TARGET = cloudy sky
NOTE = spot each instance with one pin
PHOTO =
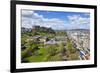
(55, 20)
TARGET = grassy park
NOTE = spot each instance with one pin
(40, 46)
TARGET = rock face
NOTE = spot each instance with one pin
(43, 29)
(37, 30)
(24, 30)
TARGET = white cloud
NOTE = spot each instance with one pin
(77, 21)
(30, 18)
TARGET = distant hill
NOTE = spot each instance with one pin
(80, 30)
(37, 30)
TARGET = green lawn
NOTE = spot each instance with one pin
(43, 53)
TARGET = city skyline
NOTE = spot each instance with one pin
(55, 19)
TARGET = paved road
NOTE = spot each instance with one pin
(84, 54)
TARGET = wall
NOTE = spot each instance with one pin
(5, 35)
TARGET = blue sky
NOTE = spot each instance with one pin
(60, 15)
(55, 19)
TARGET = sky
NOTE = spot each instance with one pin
(55, 19)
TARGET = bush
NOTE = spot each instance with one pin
(70, 47)
(51, 50)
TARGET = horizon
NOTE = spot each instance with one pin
(61, 29)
